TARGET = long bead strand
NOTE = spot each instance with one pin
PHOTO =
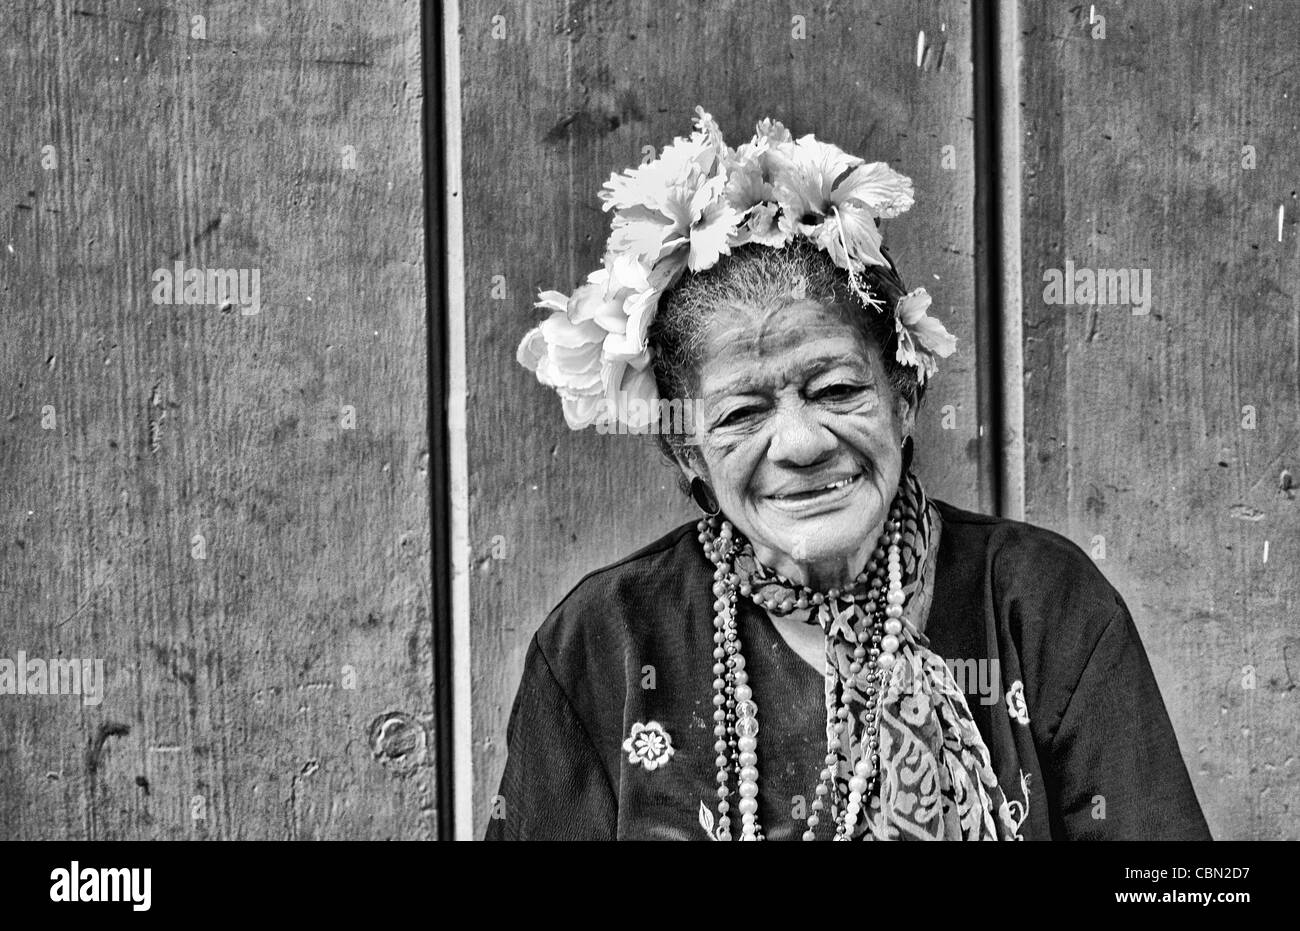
(875, 640)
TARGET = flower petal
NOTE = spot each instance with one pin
(761, 226)
(567, 356)
(912, 306)
(532, 349)
(626, 272)
(551, 300)
(646, 184)
(631, 397)
(877, 186)
(771, 131)
(710, 238)
(562, 332)
(934, 337)
(641, 233)
(807, 178)
(861, 233)
(581, 412)
(639, 309)
(588, 304)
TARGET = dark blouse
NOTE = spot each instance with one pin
(1060, 689)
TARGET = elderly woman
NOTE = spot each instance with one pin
(828, 654)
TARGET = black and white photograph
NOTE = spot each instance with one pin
(648, 420)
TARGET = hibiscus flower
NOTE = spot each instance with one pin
(920, 336)
(835, 199)
(646, 185)
(751, 172)
(693, 224)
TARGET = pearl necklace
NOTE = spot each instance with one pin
(876, 640)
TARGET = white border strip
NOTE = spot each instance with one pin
(1007, 100)
(458, 449)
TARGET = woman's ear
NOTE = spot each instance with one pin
(905, 409)
(691, 463)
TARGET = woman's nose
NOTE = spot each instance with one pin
(799, 439)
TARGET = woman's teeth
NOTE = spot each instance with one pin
(833, 486)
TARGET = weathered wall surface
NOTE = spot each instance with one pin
(1164, 140)
(229, 510)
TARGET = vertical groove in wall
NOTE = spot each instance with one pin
(461, 782)
(437, 236)
(988, 241)
(1011, 440)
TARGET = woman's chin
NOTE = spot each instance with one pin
(817, 530)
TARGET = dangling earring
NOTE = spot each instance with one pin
(908, 446)
(704, 497)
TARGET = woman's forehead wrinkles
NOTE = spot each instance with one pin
(752, 349)
(743, 373)
(773, 334)
(769, 328)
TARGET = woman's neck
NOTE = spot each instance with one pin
(838, 570)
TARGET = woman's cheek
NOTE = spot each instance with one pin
(725, 443)
(867, 432)
(730, 462)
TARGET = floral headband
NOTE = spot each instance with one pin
(685, 210)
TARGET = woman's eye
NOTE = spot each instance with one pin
(838, 392)
(739, 415)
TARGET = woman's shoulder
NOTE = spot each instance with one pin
(609, 606)
(1025, 562)
(1047, 602)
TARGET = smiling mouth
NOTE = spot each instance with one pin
(816, 494)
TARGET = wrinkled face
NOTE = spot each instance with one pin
(802, 435)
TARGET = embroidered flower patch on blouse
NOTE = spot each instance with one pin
(1016, 702)
(649, 745)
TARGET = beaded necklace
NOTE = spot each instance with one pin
(862, 623)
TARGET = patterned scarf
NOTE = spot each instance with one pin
(936, 779)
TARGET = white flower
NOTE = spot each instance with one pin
(649, 745)
(674, 207)
(566, 355)
(1016, 702)
(647, 185)
(834, 199)
(920, 336)
(763, 225)
(751, 172)
(592, 349)
(692, 218)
